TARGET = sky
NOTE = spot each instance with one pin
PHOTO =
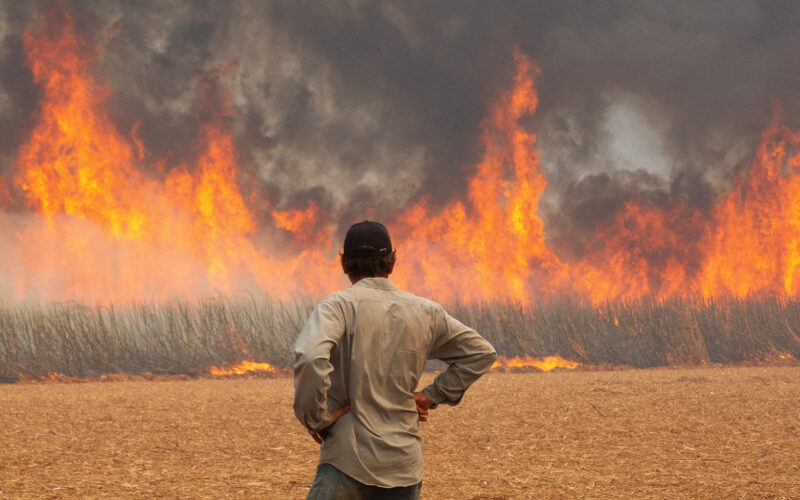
(367, 106)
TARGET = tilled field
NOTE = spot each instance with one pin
(667, 433)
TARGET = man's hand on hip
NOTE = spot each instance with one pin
(322, 435)
(423, 405)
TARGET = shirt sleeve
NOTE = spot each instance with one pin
(468, 356)
(312, 366)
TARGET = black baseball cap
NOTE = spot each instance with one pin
(367, 239)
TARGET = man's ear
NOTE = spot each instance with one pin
(392, 262)
(344, 265)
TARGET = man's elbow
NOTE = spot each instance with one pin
(306, 415)
(301, 359)
(488, 359)
(300, 408)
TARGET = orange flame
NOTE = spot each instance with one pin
(756, 245)
(242, 368)
(112, 232)
(492, 247)
(545, 364)
(108, 226)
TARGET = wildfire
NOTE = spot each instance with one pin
(111, 228)
(493, 245)
(545, 364)
(243, 367)
(112, 223)
(756, 245)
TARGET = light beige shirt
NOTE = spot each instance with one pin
(367, 346)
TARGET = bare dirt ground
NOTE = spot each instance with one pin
(692, 433)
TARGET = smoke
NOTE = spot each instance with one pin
(364, 106)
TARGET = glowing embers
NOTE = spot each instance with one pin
(50, 377)
(527, 363)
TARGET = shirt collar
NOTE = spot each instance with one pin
(379, 283)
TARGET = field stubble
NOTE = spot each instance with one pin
(658, 433)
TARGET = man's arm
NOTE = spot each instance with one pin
(468, 356)
(312, 367)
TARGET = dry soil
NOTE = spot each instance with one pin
(666, 433)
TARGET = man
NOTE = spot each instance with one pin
(357, 363)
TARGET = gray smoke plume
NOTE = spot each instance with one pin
(364, 106)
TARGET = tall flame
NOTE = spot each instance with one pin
(493, 246)
(756, 245)
(109, 231)
(107, 226)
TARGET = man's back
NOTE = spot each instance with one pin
(366, 346)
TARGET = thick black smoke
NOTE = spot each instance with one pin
(366, 105)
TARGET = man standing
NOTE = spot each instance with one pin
(358, 360)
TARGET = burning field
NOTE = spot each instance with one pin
(100, 219)
(175, 183)
(121, 258)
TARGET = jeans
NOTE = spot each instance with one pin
(332, 484)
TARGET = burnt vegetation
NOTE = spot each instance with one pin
(187, 338)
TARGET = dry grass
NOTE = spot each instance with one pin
(171, 338)
(187, 338)
(663, 433)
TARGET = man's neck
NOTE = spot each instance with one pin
(356, 279)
